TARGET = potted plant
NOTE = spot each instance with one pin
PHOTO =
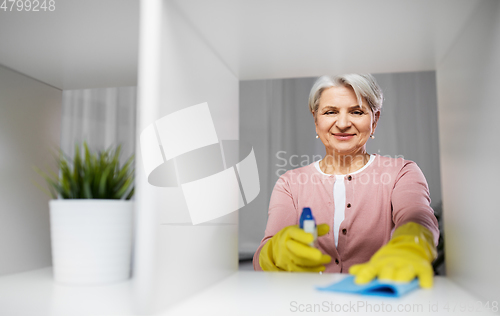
(91, 217)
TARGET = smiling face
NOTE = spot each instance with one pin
(342, 124)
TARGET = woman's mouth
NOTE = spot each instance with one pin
(343, 136)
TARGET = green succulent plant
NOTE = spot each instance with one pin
(91, 175)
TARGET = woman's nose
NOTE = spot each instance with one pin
(343, 121)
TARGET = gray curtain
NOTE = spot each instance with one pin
(275, 119)
(101, 117)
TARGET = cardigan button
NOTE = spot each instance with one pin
(348, 205)
(336, 261)
(344, 231)
(349, 178)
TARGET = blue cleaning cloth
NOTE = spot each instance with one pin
(375, 287)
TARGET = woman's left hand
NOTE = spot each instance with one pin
(407, 255)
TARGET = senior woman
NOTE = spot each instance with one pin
(375, 211)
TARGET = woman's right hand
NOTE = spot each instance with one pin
(289, 250)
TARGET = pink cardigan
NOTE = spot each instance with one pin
(385, 195)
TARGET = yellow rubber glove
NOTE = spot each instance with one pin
(408, 254)
(289, 250)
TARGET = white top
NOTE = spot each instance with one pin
(236, 294)
(339, 197)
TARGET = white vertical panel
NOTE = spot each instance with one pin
(249, 176)
(186, 130)
(30, 121)
(150, 149)
(212, 197)
(146, 243)
(468, 81)
(178, 70)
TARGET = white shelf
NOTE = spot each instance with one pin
(243, 293)
(34, 293)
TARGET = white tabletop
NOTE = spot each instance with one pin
(34, 293)
(260, 293)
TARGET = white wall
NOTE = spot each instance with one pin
(469, 116)
(30, 116)
(177, 69)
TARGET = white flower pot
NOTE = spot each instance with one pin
(91, 240)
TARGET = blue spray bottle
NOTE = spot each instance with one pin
(308, 224)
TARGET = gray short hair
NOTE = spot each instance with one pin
(364, 86)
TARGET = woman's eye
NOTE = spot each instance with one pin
(358, 112)
(329, 112)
